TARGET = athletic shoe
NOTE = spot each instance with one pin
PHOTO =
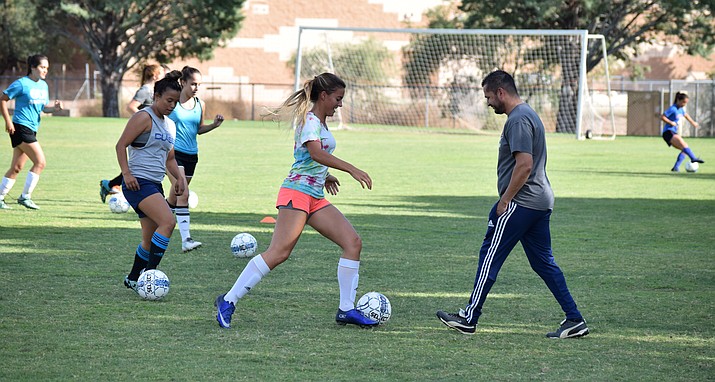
(697, 160)
(353, 316)
(4, 206)
(675, 169)
(130, 283)
(457, 321)
(189, 244)
(570, 329)
(224, 311)
(103, 189)
(28, 203)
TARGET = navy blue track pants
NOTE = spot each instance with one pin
(531, 227)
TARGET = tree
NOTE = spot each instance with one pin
(624, 23)
(17, 37)
(117, 34)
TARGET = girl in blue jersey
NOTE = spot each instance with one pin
(301, 201)
(149, 140)
(672, 118)
(31, 97)
(189, 119)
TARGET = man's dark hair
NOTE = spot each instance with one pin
(500, 79)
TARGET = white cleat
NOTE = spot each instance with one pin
(189, 244)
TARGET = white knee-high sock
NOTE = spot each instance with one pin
(348, 282)
(30, 184)
(255, 270)
(5, 186)
(183, 220)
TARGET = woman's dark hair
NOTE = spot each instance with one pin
(170, 81)
(187, 72)
(34, 61)
(680, 97)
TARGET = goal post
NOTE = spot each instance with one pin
(432, 77)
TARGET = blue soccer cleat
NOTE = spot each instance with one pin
(104, 189)
(353, 316)
(224, 312)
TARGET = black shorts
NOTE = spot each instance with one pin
(189, 162)
(22, 134)
(668, 136)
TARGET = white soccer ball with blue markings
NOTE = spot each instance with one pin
(244, 245)
(118, 204)
(153, 285)
(692, 167)
(376, 306)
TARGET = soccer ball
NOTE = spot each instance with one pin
(376, 306)
(244, 245)
(692, 167)
(153, 285)
(118, 204)
(193, 199)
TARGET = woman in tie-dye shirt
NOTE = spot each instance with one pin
(301, 201)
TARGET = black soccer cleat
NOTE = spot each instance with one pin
(457, 322)
(570, 329)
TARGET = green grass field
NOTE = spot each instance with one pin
(635, 241)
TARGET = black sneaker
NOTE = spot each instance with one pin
(457, 321)
(697, 160)
(570, 329)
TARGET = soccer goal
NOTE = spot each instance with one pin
(432, 77)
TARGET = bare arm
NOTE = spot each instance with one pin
(133, 106)
(137, 124)
(325, 158)
(218, 120)
(519, 176)
(692, 122)
(55, 108)
(177, 172)
(9, 127)
(666, 120)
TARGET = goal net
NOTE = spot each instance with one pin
(432, 77)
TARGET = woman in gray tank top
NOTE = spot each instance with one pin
(149, 140)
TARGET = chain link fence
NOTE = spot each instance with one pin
(637, 104)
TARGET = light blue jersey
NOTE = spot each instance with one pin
(307, 175)
(30, 99)
(187, 127)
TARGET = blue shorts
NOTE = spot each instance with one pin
(147, 188)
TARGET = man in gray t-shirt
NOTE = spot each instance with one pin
(522, 213)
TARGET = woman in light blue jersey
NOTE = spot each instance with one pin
(31, 97)
(145, 152)
(189, 119)
(301, 201)
(672, 119)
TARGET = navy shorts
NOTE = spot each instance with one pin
(189, 162)
(668, 136)
(22, 134)
(146, 188)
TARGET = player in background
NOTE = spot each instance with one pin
(189, 119)
(149, 140)
(301, 201)
(522, 212)
(31, 96)
(672, 118)
(143, 97)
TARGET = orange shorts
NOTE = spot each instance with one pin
(290, 198)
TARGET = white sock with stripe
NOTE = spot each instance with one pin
(254, 271)
(348, 277)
